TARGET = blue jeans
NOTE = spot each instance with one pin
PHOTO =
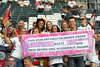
(76, 61)
(18, 63)
(57, 65)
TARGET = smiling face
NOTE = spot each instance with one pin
(35, 31)
(11, 62)
(72, 23)
(20, 24)
(40, 24)
(10, 30)
(64, 26)
(54, 30)
(83, 20)
(48, 25)
(23, 31)
(27, 63)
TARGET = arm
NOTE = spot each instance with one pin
(93, 64)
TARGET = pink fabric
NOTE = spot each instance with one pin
(37, 3)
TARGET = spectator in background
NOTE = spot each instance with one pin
(72, 4)
(82, 11)
(76, 59)
(64, 26)
(48, 7)
(28, 62)
(48, 26)
(97, 36)
(41, 24)
(96, 59)
(40, 7)
(30, 30)
(26, 3)
(19, 26)
(11, 61)
(66, 11)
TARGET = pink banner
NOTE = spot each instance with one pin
(55, 44)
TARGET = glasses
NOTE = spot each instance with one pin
(82, 19)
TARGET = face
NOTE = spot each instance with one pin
(21, 24)
(54, 29)
(10, 30)
(83, 20)
(11, 62)
(27, 63)
(35, 31)
(34, 25)
(49, 26)
(40, 24)
(72, 23)
(64, 11)
(64, 26)
(23, 31)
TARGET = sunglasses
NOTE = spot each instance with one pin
(82, 19)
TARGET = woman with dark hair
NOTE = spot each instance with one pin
(55, 29)
(55, 61)
(35, 31)
(48, 26)
(40, 24)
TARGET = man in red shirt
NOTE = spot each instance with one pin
(19, 26)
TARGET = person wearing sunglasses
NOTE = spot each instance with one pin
(84, 25)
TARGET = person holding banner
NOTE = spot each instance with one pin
(85, 26)
(17, 51)
(76, 59)
(55, 61)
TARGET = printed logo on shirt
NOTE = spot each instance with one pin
(2, 55)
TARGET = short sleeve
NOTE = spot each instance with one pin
(93, 59)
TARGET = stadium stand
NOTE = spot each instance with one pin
(29, 12)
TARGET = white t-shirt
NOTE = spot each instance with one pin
(71, 3)
(17, 52)
(26, 3)
(39, 6)
(48, 8)
(87, 55)
(83, 28)
(96, 60)
(55, 60)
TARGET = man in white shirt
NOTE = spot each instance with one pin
(96, 60)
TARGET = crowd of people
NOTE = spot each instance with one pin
(13, 37)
